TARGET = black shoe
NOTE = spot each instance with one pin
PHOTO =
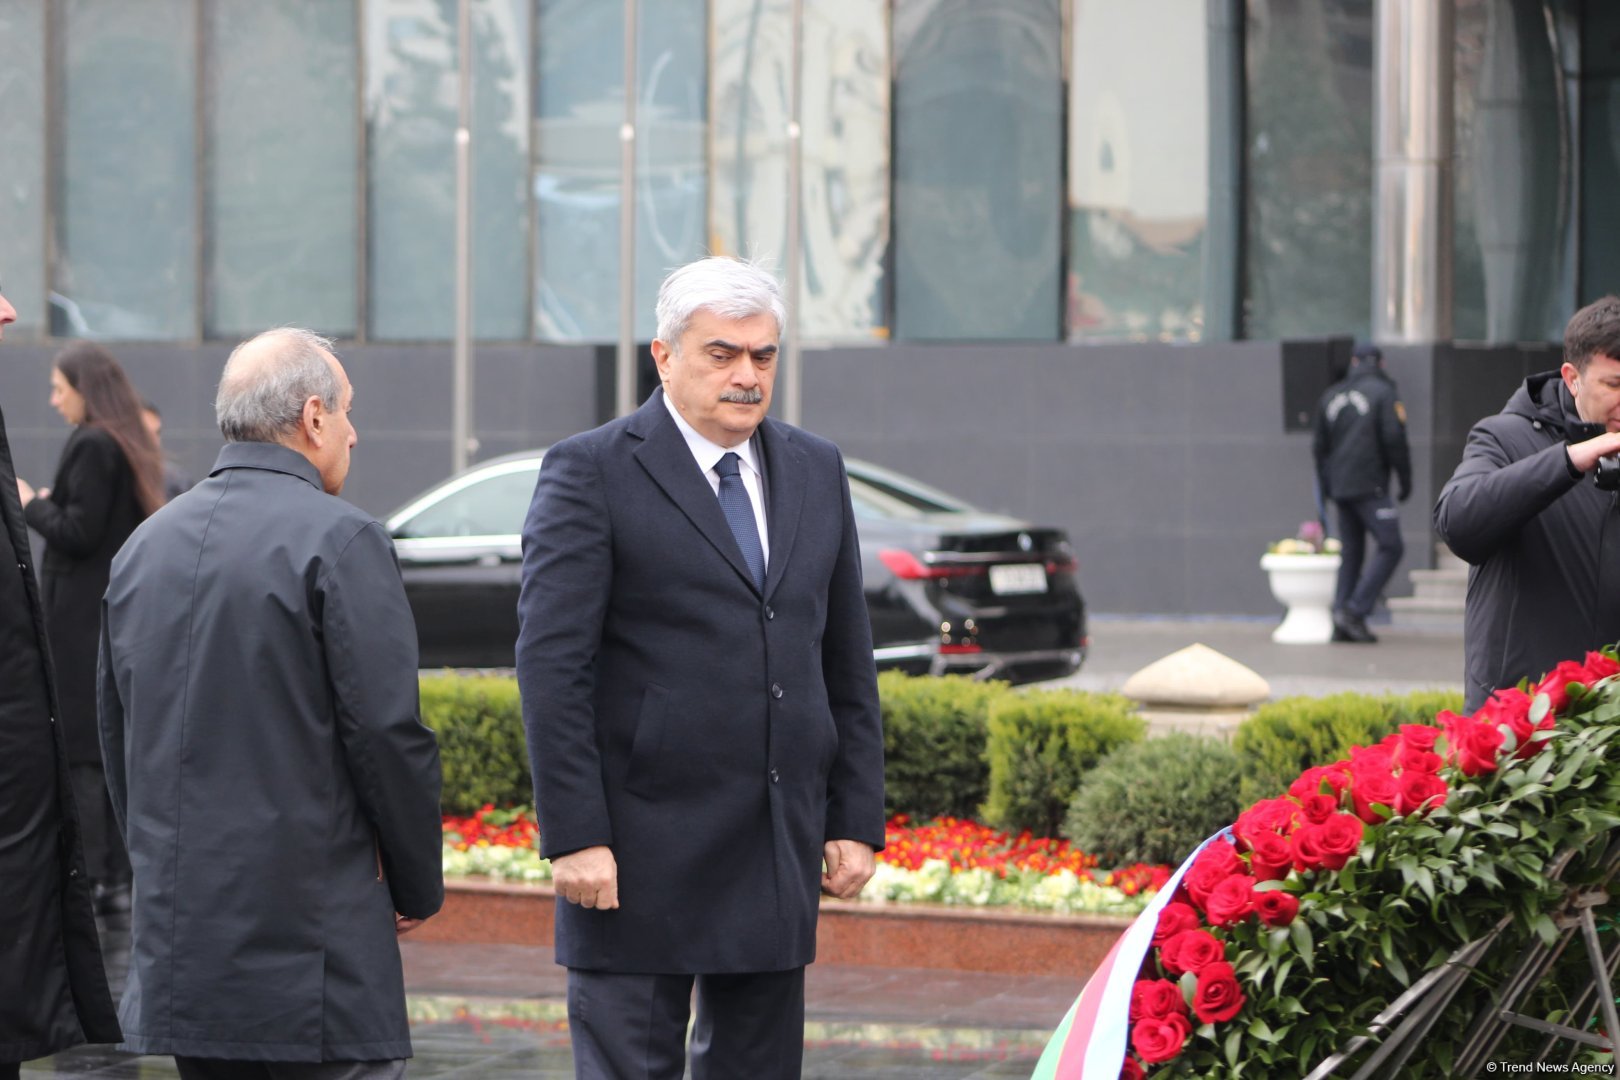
(1353, 629)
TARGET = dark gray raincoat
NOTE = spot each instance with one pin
(278, 792)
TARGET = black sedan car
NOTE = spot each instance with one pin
(949, 588)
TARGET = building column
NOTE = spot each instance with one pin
(1412, 220)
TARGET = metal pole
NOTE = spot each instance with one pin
(793, 388)
(625, 395)
(462, 441)
(1412, 239)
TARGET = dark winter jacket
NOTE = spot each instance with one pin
(1543, 543)
(91, 511)
(1361, 437)
(276, 788)
(53, 989)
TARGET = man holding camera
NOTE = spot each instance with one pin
(1543, 544)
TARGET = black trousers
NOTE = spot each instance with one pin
(633, 1027)
(1358, 591)
(103, 845)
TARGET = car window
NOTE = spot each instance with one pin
(492, 507)
(874, 503)
(919, 497)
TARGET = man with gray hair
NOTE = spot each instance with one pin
(267, 764)
(695, 661)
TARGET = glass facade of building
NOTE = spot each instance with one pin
(1028, 170)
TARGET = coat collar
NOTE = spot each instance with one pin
(668, 460)
(271, 457)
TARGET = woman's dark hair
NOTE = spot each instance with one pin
(111, 404)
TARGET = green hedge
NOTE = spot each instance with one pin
(479, 723)
(1155, 801)
(1041, 743)
(1284, 738)
(934, 731)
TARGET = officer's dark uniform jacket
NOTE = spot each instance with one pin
(1543, 544)
(1361, 437)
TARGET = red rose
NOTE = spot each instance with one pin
(1175, 917)
(1371, 787)
(1328, 846)
(1268, 815)
(1156, 998)
(1318, 808)
(1420, 761)
(1477, 746)
(1379, 756)
(1218, 997)
(1131, 1070)
(1276, 907)
(1421, 790)
(1231, 901)
(1600, 666)
(1272, 858)
(1504, 706)
(1335, 778)
(1419, 736)
(1157, 1040)
(1214, 864)
(1191, 950)
(1555, 684)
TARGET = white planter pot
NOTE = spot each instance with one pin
(1304, 584)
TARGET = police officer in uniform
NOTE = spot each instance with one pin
(1360, 439)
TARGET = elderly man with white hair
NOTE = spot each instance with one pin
(695, 661)
(267, 764)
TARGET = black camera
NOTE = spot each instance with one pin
(1607, 473)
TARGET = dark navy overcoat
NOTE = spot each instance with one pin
(713, 736)
(277, 789)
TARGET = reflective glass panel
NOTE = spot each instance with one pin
(1308, 201)
(844, 117)
(579, 108)
(126, 258)
(283, 165)
(1138, 168)
(411, 95)
(1600, 153)
(1510, 175)
(22, 165)
(978, 199)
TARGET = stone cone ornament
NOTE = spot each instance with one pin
(1196, 690)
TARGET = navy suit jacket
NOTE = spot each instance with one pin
(712, 736)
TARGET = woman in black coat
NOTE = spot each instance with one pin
(110, 478)
(53, 990)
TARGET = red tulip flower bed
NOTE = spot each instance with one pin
(947, 861)
(968, 845)
(493, 828)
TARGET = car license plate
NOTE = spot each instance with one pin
(1018, 580)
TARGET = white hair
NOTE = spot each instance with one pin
(267, 380)
(730, 288)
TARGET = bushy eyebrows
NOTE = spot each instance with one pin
(733, 347)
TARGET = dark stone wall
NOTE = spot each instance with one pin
(1169, 465)
(524, 396)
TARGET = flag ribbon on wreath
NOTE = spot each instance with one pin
(1090, 1042)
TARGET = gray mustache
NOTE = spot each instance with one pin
(744, 397)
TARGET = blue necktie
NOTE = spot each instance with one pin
(739, 511)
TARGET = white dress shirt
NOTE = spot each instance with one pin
(708, 455)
